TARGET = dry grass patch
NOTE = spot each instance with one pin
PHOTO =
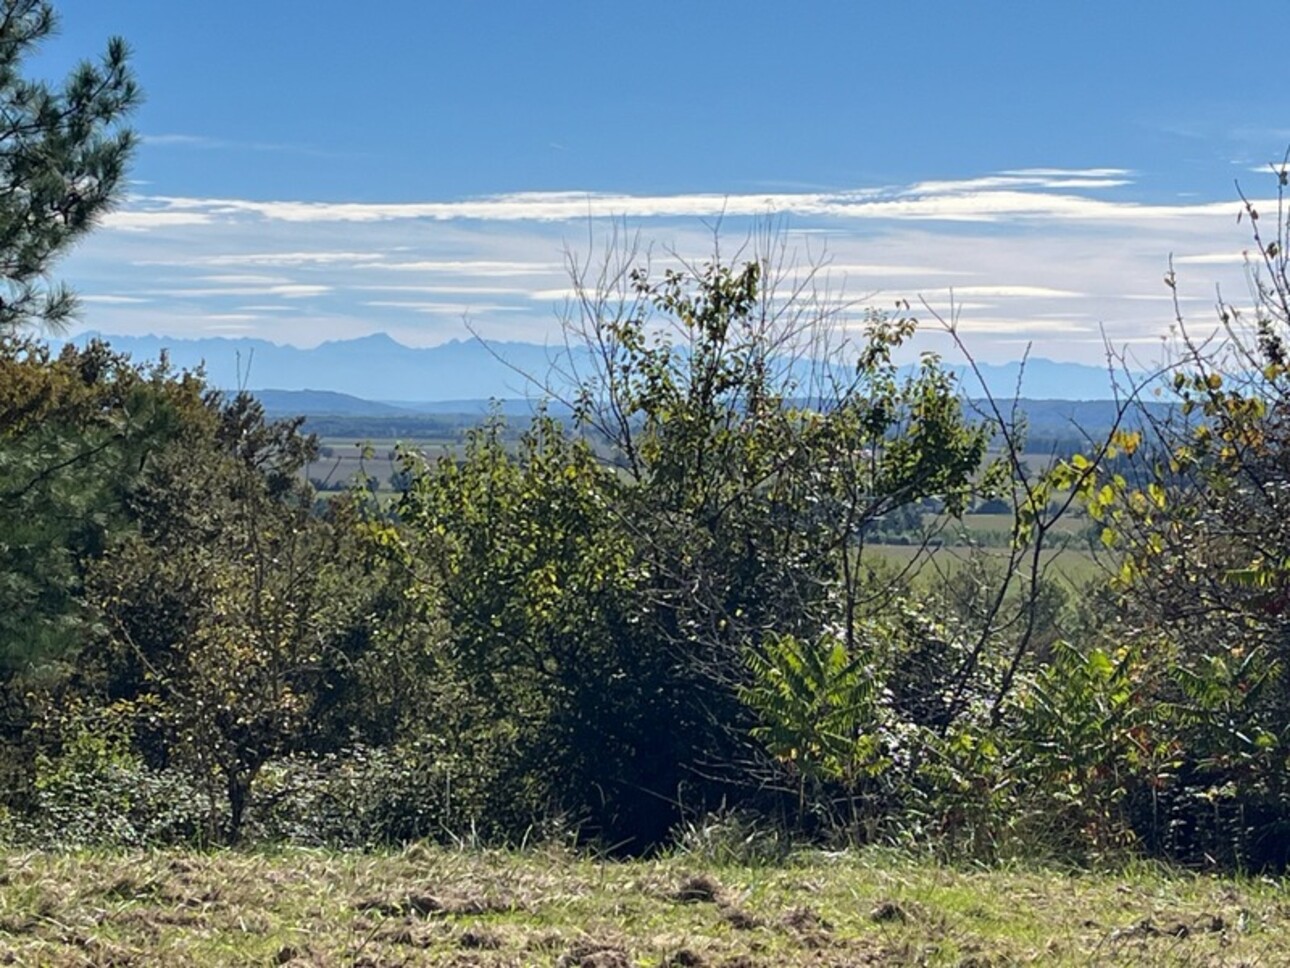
(441, 907)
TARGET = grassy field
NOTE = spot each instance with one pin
(1071, 523)
(433, 906)
(1075, 567)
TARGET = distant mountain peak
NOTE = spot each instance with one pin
(379, 367)
(370, 340)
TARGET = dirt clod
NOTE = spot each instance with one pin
(805, 919)
(1145, 928)
(422, 904)
(479, 939)
(699, 888)
(594, 956)
(888, 911)
(683, 958)
(425, 905)
(740, 919)
(409, 934)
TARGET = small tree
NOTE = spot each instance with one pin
(736, 445)
(233, 604)
(763, 432)
(1198, 504)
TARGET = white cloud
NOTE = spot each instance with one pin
(444, 308)
(1211, 259)
(1071, 172)
(448, 290)
(1163, 297)
(476, 267)
(108, 299)
(1045, 292)
(1021, 326)
(556, 295)
(289, 291)
(883, 271)
(1027, 249)
(988, 199)
(136, 220)
(270, 259)
(1015, 180)
(246, 279)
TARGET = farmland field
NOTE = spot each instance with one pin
(1074, 566)
(342, 460)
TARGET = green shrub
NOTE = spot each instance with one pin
(95, 791)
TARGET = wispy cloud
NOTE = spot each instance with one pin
(882, 271)
(109, 299)
(200, 142)
(140, 220)
(1023, 326)
(288, 291)
(443, 308)
(448, 290)
(1034, 178)
(246, 279)
(1053, 255)
(268, 259)
(181, 140)
(1045, 292)
(1211, 259)
(996, 198)
(475, 267)
(1070, 172)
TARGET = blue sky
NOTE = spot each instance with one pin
(317, 170)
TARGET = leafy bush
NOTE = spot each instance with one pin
(95, 791)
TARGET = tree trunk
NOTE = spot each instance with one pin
(239, 795)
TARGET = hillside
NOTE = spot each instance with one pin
(1060, 424)
(325, 403)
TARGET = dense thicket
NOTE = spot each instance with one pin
(662, 610)
(613, 641)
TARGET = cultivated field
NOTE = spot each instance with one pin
(343, 460)
(433, 906)
(1074, 567)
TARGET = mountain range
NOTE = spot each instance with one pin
(377, 368)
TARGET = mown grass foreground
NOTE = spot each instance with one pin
(433, 906)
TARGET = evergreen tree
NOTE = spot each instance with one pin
(66, 433)
(63, 155)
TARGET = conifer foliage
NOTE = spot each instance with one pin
(63, 156)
